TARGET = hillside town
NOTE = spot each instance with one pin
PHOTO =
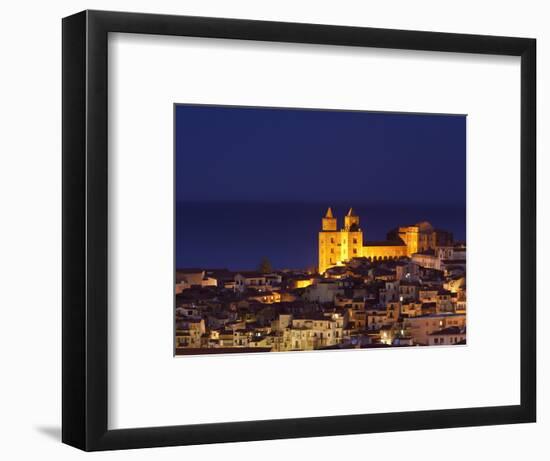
(409, 290)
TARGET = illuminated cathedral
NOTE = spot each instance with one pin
(337, 246)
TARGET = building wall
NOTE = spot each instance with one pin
(330, 249)
(352, 244)
(420, 327)
(421, 236)
(427, 261)
(409, 235)
(384, 251)
(446, 339)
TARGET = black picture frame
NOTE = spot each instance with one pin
(85, 218)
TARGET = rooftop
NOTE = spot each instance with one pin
(449, 331)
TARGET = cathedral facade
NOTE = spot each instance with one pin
(337, 246)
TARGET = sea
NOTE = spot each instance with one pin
(239, 235)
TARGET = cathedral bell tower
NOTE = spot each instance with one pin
(338, 246)
(329, 242)
(329, 221)
(351, 221)
(352, 239)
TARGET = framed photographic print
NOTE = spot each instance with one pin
(278, 230)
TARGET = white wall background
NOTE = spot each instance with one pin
(30, 243)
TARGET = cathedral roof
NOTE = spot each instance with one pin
(329, 213)
(424, 226)
(351, 212)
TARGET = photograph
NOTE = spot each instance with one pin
(302, 229)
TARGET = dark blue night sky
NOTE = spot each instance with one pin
(254, 182)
